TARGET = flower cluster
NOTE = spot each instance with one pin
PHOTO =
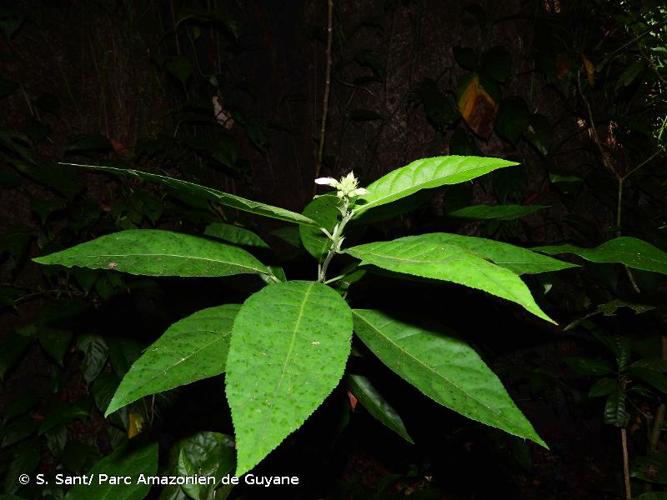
(347, 186)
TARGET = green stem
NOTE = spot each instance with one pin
(336, 240)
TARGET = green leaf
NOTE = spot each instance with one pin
(122, 462)
(324, 211)
(206, 454)
(54, 342)
(61, 413)
(651, 377)
(289, 346)
(12, 348)
(603, 387)
(207, 193)
(179, 67)
(513, 119)
(517, 259)
(427, 173)
(25, 460)
(632, 252)
(651, 468)
(496, 63)
(153, 252)
(652, 495)
(95, 353)
(191, 349)
(371, 399)
(445, 369)
(540, 133)
(495, 212)
(427, 256)
(589, 366)
(615, 412)
(234, 234)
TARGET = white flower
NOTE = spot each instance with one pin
(327, 181)
(347, 186)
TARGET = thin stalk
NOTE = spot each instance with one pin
(327, 89)
(626, 464)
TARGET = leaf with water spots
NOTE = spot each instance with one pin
(191, 349)
(290, 342)
(153, 252)
(445, 369)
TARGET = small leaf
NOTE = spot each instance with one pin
(589, 366)
(324, 211)
(191, 349)
(95, 353)
(477, 107)
(179, 67)
(632, 252)
(122, 462)
(651, 468)
(539, 133)
(513, 119)
(427, 173)
(205, 454)
(497, 64)
(428, 257)
(445, 369)
(440, 108)
(603, 387)
(377, 405)
(214, 195)
(234, 234)
(290, 342)
(153, 252)
(495, 212)
(651, 377)
(615, 412)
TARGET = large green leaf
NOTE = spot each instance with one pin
(632, 252)
(427, 257)
(517, 259)
(427, 173)
(120, 463)
(445, 369)
(234, 234)
(323, 210)
(495, 212)
(377, 405)
(153, 252)
(191, 349)
(208, 193)
(289, 346)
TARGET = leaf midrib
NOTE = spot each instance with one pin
(187, 358)
(176, 256)
(427, 367)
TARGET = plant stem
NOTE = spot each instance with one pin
(626, 464)
(658, 422)
(336, 240)
(327, 88)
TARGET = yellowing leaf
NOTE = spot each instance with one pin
(136, 424)
(478, 108)
(589, 68)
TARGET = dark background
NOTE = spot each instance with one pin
(573, 90)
